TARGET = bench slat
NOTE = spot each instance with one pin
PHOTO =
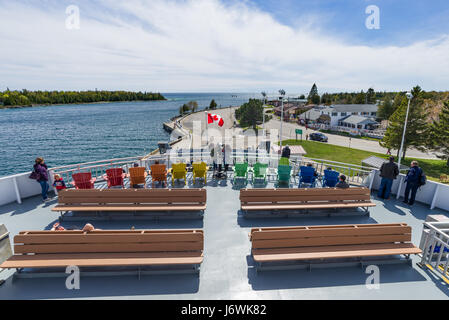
(307, 206)
(133, 207)
(342, 252)
(102, 260)
(109, 247)
(106, 238)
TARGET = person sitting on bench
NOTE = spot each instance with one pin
(87, 228)
(342, 184)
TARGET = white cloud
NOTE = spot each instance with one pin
(198, 45)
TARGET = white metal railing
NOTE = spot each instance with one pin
(435, 247)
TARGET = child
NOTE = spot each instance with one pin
(342, 184)
(59, 183)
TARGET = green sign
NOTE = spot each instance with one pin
(298, 131)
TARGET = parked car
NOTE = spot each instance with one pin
(318, 137)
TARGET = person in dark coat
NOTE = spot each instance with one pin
(388, 172)
(342, 184)
(286, 152)
(41, 170)
(413, 180)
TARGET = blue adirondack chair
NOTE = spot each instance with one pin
(307, 176)
(330, 178)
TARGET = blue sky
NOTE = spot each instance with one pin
(402, 21)
(224, 45)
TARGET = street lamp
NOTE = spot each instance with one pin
(263, 112)
(282, 93)
(409, 97)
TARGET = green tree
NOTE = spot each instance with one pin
(250, 113)
(439, 134)
(417, 128)
(314, 97)
(360, 98)
(370, 96)
(386, 109)
(192, 106)
(213, 105)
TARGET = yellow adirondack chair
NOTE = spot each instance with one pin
(179, 171)
(200, 171)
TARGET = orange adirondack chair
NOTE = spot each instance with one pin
(159, 173)
(137, 175)
(115, 177)
(83, 180)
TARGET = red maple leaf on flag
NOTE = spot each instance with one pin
(211, 118)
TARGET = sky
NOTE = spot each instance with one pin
(224, 45)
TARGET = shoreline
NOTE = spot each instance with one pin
(76, 103)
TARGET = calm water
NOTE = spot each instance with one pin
(71, 134)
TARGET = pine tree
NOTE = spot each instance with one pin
(386, 109)
(314, 97)
(213, 105)
(417, 127)
(439, 134)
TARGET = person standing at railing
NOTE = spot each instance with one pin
(40, 173)
(415, 178)
(388, 172)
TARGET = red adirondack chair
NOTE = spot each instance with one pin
(83, 180)
(115, 177)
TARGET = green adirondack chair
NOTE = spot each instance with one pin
(241, 171)
(260, 172)
(284, 162)
(284, 174)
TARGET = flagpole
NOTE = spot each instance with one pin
(207, 133)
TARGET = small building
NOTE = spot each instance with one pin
(376, 162)
(358, 122)
(340, 111)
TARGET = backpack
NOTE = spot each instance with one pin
(422, 179)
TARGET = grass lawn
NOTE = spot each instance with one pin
(432, 168)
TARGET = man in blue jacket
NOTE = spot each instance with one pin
(413, 180)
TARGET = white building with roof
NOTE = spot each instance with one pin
(339, 111)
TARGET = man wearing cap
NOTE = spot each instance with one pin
(388, 172)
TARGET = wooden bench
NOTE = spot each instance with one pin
(150, 251)
(305, 199)
(132, 200)
(304, 247)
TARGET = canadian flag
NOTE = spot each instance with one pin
(211, 118)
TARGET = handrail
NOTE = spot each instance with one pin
(433, 237)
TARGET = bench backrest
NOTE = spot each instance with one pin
(304, 195)
(189, 242)
(315, 236)
(137, 175)
(132, 196)
(83, 180)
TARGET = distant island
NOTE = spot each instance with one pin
(25, 98)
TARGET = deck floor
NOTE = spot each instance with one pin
(227, 271)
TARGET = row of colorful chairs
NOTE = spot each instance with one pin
(116, 177)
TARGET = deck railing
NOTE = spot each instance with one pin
(435, 247)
